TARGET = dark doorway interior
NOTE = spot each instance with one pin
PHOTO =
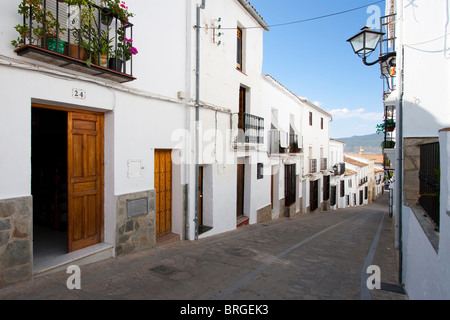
(49, 182)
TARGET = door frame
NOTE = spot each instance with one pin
(100, 155)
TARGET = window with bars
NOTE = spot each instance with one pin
(429, 177)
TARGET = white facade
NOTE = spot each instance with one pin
(337, 164)
(316, 137)
(153, 113)
(421, 101)
(283, 114)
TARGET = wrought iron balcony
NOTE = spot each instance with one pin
(250, 128)
(339, 168)
(312, 165)
(85, 38)
(323, 163)
(291, 140)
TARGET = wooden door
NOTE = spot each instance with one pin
(240, 189)
(271, 190)
(289, 184)
(313, 195)
(85, 179)
(242, 107)
(163, 187)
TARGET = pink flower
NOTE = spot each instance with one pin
(133, 50)
(129, 40)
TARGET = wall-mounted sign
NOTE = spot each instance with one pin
(79, 94)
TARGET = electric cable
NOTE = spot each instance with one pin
(308, 19)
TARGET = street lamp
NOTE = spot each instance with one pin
(365, 42)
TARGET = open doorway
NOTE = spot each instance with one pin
(49, 182)
(67, 181)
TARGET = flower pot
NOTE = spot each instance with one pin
(106, 16)
(103, 61)
(78, 52)
(390, 128)
(51, 45)
(115, 64)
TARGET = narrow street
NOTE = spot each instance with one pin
(323, 256)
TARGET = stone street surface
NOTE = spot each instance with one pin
(322, 256)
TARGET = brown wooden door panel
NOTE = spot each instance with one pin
(163, 187)
(85, 179)
(240, 189)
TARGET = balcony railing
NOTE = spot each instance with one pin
(84, 38)
(312, 165)
(339, 168)
(250, 128)
(323, 163)
(275, 147)
(363, 181)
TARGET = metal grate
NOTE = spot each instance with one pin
(164, 270)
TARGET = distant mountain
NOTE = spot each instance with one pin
(371, 143)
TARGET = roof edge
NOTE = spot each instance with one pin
(254, 14)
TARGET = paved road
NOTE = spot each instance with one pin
(321, 255)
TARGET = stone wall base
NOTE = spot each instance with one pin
(135, 233)
(16, 251)
(264, 214)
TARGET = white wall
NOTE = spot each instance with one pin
(422, 30)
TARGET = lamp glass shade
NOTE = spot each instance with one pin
(366, 41)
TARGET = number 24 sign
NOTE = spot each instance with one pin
(79, 93)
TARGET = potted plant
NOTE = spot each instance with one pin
(44, 26)
(123, 52)
(388, 144)
(117, 9)
(104, 47)
(387, 126)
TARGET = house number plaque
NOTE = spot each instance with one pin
(79, 94)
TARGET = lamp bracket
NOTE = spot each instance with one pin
(382, 58)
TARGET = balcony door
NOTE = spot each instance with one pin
(242, 107)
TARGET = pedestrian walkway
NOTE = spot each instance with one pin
(321, 255)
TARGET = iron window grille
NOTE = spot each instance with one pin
(429, 180)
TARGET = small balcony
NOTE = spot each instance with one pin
(323, 163)
(85, 37)
(290, 143)
(339, 168)
(363, 181)
(250, 128)
(312, 165)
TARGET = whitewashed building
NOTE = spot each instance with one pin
(361, 184)
(337, 165)
(316, 175)
(420, 100)
(284, 111)
(103, 161)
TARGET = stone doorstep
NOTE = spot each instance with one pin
(168, 238)
(95, 253)
(241, 221)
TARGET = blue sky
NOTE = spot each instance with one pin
(314, 60)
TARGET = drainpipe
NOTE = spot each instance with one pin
(197, 105)
(400, 175)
